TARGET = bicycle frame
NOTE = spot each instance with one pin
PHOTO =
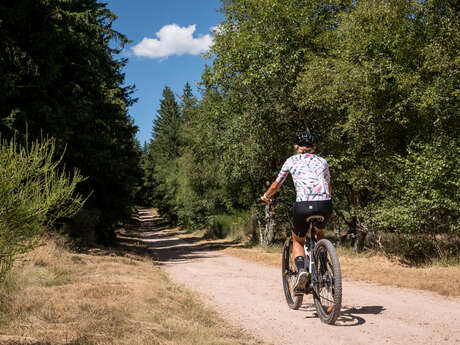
(310, 263)
(325, 280)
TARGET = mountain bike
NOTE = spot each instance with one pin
(325, 281)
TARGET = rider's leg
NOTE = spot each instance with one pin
(297, 251)
(298, 240)
(299, 257)
(297, 245)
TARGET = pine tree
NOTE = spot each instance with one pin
(166, 127)
(188, 103)
(61, 78)
(161, 165)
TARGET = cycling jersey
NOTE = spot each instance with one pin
(310, 174)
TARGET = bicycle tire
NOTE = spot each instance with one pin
(327, 293)
(289, 274)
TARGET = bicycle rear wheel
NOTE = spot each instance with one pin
(328, 289)
(289, 274)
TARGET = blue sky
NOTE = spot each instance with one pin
(155, 62)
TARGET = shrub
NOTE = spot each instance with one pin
(425, 194)
(34, 195)
(229, 225)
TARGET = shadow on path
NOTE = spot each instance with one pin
(349, 316)
(164, 247)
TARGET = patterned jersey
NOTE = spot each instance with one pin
(310, 174)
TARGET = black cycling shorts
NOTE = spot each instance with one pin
(305, 209)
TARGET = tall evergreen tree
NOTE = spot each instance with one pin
(188, 104)
(163, 154)
(60, 78)
(193, 168)
(166, 127)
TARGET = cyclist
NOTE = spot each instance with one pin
(310, 174)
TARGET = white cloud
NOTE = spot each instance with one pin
(216, 29)
(173, 40)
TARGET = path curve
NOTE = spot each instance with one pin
(250, 294)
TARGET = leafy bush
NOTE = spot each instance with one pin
(34, 195)
(228, 225)
(416, 249)
(425, 195)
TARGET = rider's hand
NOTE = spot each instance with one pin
(265, 200)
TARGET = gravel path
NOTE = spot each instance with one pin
(251, 295)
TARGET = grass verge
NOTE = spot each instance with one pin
(54, 296)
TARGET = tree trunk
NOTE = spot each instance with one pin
(255, 224)
(359, 228)
(359, 240)
(336, 227)
(269, 226)
(360, 231)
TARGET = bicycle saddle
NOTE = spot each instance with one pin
(317, 218)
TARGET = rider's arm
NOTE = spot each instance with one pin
(277, 184)
(271, 191)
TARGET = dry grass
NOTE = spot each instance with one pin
(375, 268)
(54, 296)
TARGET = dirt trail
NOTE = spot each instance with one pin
(250, 295)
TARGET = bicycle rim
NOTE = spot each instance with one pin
(289, 274)
(328, 288)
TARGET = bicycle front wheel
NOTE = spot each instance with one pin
(328, 286)
(289, 274)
